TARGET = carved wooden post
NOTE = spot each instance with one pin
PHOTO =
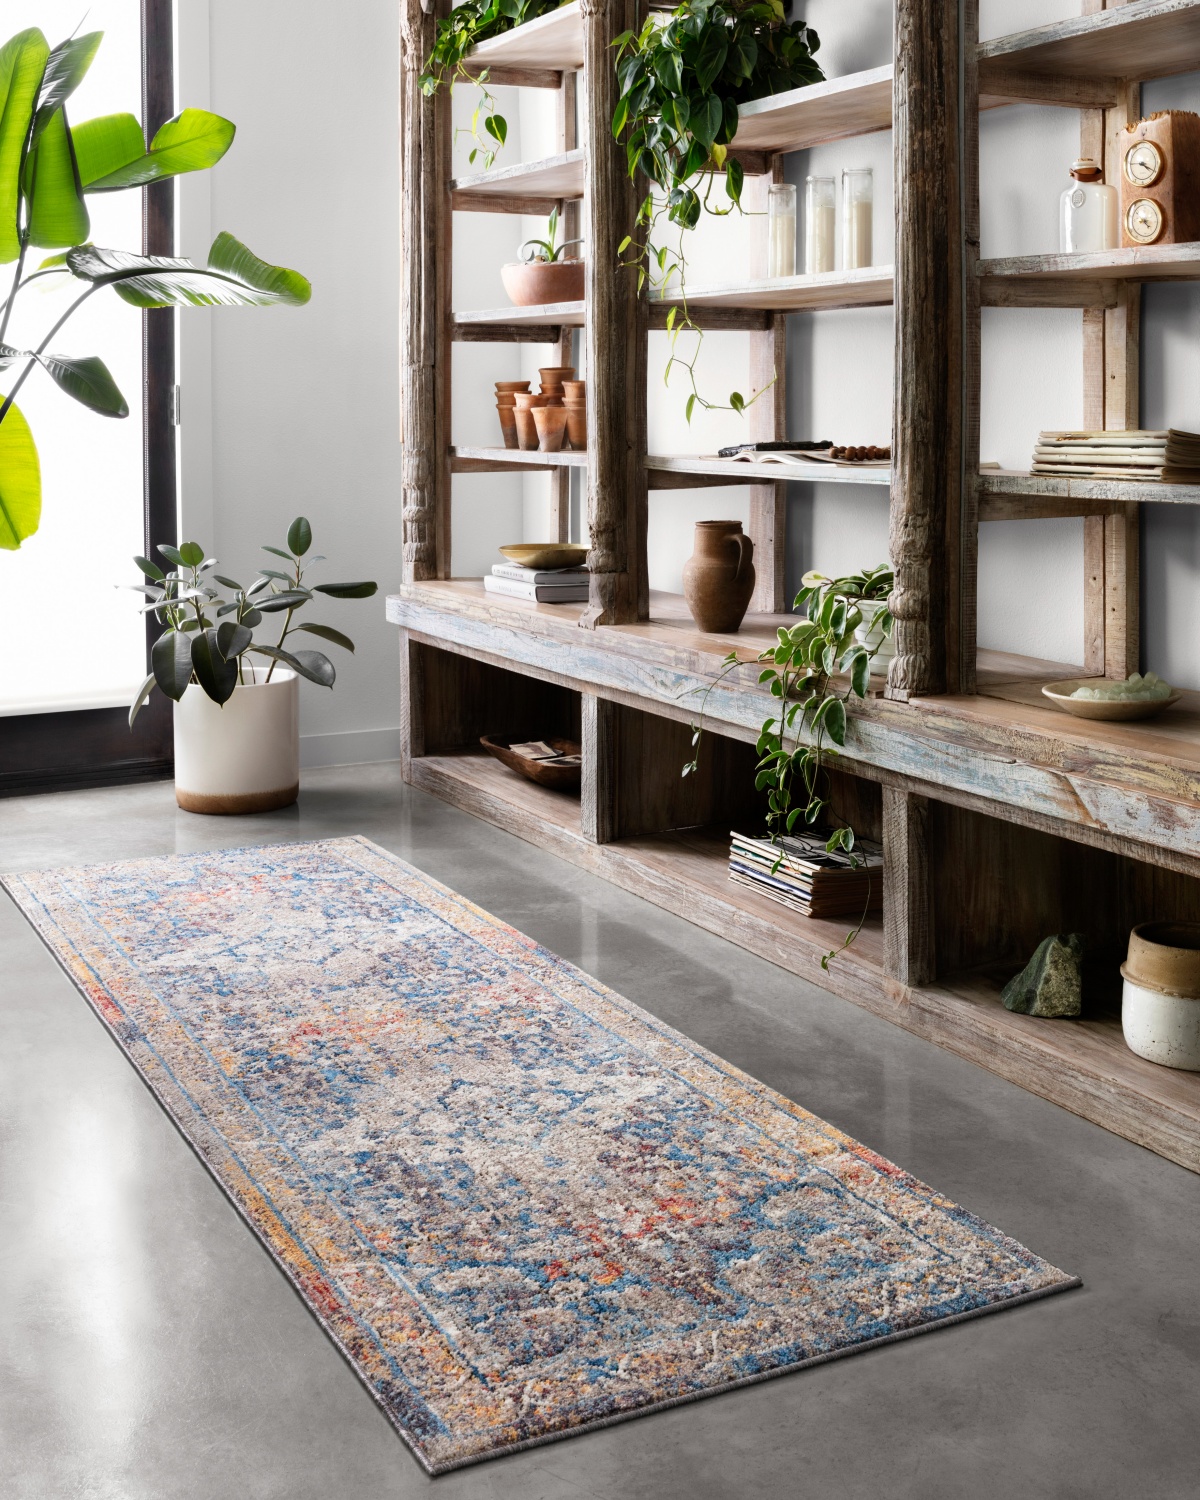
(615, 343)
(927, 409)
(424, 304)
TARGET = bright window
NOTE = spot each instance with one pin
(75, 637)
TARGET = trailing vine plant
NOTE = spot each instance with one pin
(814, 669)
(467, 24)
(681, 82)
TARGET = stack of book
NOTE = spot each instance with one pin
(796, 871)
(542, 585)
(1169, 457)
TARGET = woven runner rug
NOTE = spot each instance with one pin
(521, 1206)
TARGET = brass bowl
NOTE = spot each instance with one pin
(545, 554)
(1114, 711)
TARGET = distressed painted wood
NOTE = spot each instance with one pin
(1058, 291)
(465, 460)
(1148, 39)
(755, 472)
(853, 105)
(570, 216)
(551, 178)
(1006, 482)
(766, 420)
(554, 40)
(601, 773)
(1136, 263)
(925, 527)
(547, 317)
(615, 338)
(962, 592)
(908, 936)
(424, 298)
(868, 286)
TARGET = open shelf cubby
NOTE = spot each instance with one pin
(1002, 819)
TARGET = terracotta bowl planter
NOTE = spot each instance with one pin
(1160, 1004)
(551, 424)
(526, 403)
(536, 282)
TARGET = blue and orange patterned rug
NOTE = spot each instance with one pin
(520, 1205)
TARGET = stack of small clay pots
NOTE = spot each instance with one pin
(542, 420)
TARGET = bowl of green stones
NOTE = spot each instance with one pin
(1137, 697)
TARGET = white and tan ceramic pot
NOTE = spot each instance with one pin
(1160, 1002)
(242, 756)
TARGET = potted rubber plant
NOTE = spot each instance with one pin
(49, 169)
(544, 273)
(237, 702)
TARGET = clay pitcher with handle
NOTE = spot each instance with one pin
(718, 578)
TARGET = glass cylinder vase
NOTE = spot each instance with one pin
(858, 194)
(818, 225)
(781, 229)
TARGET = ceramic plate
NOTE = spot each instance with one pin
(1091, 708)
(546, 554)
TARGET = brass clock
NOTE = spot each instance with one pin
(1143, 221)
(1143, 164)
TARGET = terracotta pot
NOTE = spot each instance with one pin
(718, 578)
(574, 390)
(507, 412)
(551, 424)
(576, 423)
(526, 403)
(536, 282)
(509, 387)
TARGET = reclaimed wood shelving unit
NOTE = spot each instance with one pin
(1002, 819)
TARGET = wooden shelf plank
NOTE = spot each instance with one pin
(1138, 263)
(856, 104)
(554, 40)
(870, 286)
(551, 178)
(472, 459)
(760, 473)
(518, 323)
(1083, 1066)
(1002, 484)
(1142, 39)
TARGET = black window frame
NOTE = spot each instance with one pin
(96, 747)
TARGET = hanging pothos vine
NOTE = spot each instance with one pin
(681, 80)
(681, 83)
(813, 670)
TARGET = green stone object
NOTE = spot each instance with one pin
(1050, 984)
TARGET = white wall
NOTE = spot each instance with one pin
(288, 411)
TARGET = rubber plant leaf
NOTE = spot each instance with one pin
(142, 694)
(215, 675)
(327, 633)
(65, 70)
(86, 380)
(346, 590)
(171, 662)
(233, 278)
(313, 665)
(58, 215)
(22, 64)
(192, 141)
(104, 144)
(20, 481)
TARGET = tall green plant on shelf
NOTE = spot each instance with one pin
(681, 82)
(48, 169)
(813, 671)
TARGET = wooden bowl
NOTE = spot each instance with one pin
(545, 554)
(1113, 711)
(558, 778)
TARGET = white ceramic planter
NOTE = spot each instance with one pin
(1160, 1004)
(242, 756)
(873, 638)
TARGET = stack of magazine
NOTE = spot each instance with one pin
(1170, 457)
(542, 585)
(796, 871)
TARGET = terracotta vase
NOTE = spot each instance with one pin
(540, 282)
(576, 423)
(718, 578)
(552, 382)
(506, 408)
(551, 424)
(526, 402)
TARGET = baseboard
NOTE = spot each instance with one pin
(352, 747)
(79, 778)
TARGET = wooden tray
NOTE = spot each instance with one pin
(558, 778)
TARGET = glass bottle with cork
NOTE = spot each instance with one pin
(1088, 215)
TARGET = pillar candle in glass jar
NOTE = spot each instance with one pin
(781, 229)
(857, 195)
(818, 225)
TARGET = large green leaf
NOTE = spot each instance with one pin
(171, 660)
(58, 215)
(216, 676)
(233, 278)
(346, 590)
(106, 143)
(88, 381)
(20, 481)
(315, 666)
(65, 70)
(22, 63)
(190, 142)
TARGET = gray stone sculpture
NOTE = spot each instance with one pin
(1050, 984)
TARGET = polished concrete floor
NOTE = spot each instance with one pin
(149, 1349)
